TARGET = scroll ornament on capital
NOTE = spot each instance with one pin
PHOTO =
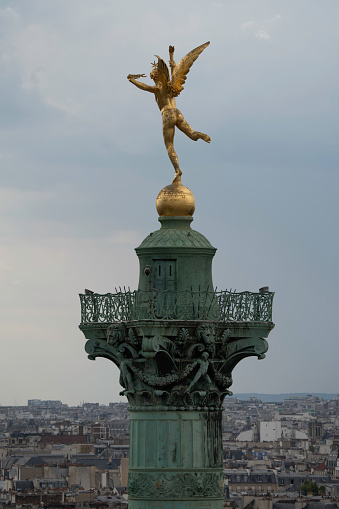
(191, 370)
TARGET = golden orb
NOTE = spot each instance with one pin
(175, 200)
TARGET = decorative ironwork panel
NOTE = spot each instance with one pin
(222, 306)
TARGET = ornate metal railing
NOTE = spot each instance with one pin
(171, 305)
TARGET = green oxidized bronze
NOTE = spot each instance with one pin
(191, 366)
(175, 339)
(180, 485)
(172, 305)
(176, 343)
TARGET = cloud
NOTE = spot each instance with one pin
(83, 160)
(262, 34)
(4, 266)
(8, 13)
(273, 20)
(247, 25)
(69, 105)
(126, 237)
(13, 199)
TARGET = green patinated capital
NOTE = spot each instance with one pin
(176, 342)
(181, 366)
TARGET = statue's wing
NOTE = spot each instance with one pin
(183, 67)
(163, 74)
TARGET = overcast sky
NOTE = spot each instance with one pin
(82, 160)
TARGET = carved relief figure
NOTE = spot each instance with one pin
(125, 374)
(165, 90)
(202, 371)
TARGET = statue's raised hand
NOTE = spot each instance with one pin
(135, 76)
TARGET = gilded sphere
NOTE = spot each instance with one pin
(175, 200)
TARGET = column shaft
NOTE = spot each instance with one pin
(176, 460)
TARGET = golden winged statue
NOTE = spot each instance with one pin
(165, 90)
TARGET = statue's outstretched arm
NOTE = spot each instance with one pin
(171, 61)
(142, 86)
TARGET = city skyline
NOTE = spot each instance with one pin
(83, 160)
(265, 398)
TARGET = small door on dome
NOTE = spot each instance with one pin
(165, 275)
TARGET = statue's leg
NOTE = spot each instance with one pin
(184, 126)
(194, 381)
(169, 118)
